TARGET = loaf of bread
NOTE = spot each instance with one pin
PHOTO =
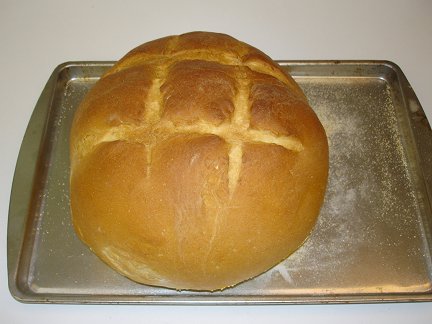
(196, 163)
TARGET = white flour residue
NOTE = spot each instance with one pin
(367, 195)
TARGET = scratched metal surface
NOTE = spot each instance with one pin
(372, 240)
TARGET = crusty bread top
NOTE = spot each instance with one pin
(216, 70)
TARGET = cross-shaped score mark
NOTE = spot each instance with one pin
(235, 131)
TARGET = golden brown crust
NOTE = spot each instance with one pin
(196, 163)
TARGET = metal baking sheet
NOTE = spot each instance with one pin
(372, 242)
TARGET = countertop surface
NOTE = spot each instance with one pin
(36, 36)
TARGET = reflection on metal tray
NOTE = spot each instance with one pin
(372, 242)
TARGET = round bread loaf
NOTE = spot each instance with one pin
(196, 163)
